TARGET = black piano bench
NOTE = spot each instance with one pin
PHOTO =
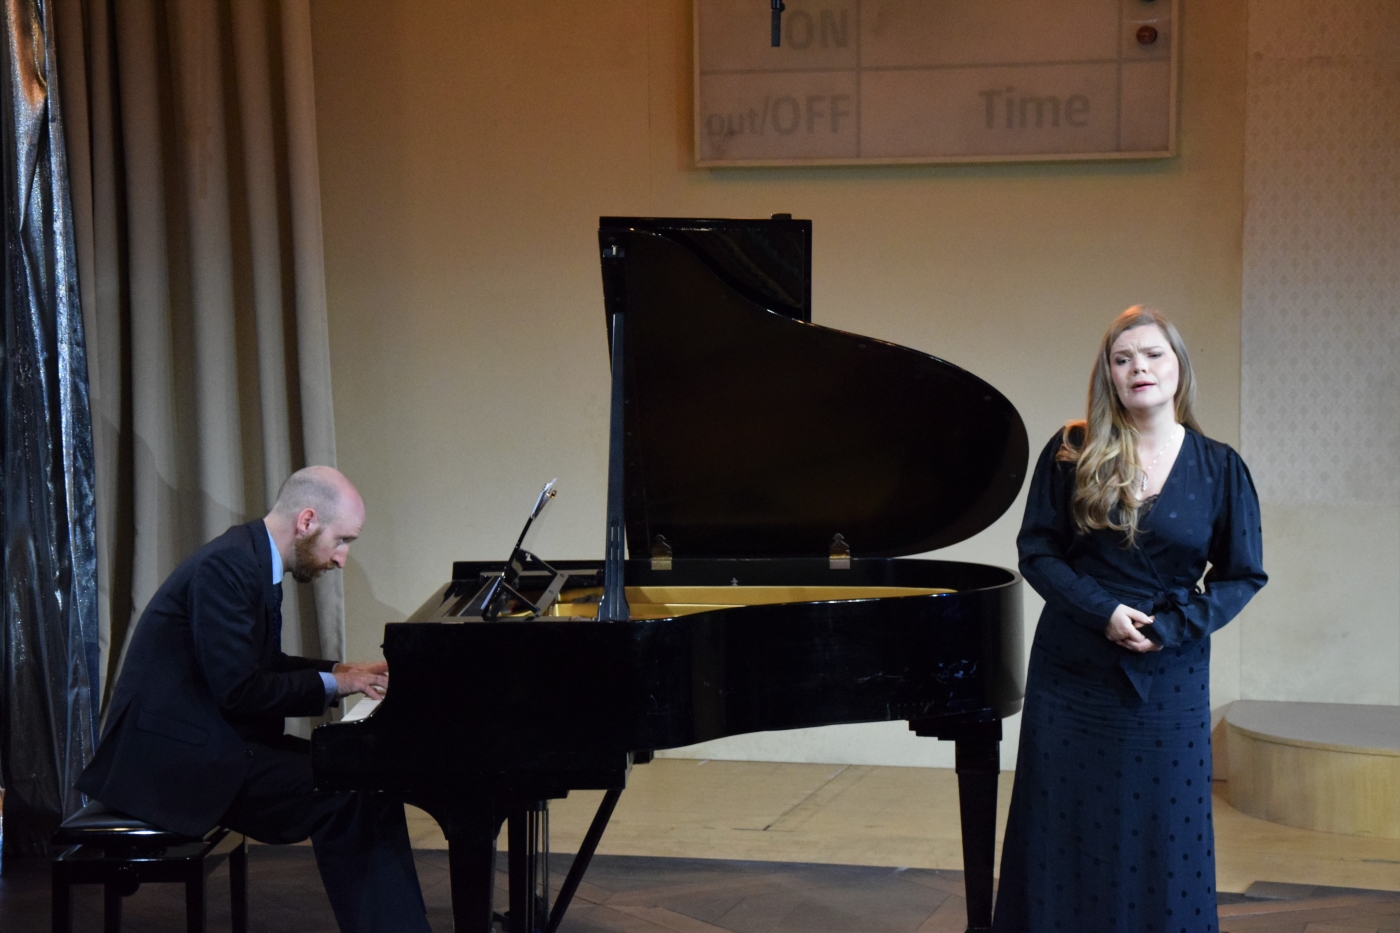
(120, 852)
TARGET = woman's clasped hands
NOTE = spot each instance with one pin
(1123, 631)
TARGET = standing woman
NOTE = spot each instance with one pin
(1110, 826)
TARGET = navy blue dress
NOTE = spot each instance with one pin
(1110, 826)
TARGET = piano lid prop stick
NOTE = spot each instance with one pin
(613, 606)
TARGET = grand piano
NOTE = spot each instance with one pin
(766, 477)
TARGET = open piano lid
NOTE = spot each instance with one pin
(753, 433)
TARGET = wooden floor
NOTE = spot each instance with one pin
(640, 894)
(650, 895)
(1275, 908)
(744, 847)
(893, 817)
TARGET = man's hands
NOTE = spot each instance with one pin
(368, 677)
(1123, 628)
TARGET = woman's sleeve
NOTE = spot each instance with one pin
(1236, 564)
(1047, 532)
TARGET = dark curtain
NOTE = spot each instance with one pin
(48, 569)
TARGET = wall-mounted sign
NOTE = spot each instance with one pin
(881, 81)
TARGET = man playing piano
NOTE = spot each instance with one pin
(194, 734)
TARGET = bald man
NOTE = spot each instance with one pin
(194, 732)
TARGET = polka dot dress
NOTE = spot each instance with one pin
(1111, 819)
(1110, 827)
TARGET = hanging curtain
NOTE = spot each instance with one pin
(48, 621)
(196, 202)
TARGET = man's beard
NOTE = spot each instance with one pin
(304, 566)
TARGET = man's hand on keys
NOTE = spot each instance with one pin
(368, 677)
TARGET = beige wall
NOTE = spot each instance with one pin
(1321, 363)
(467, 150)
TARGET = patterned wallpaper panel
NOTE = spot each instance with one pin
(1320, 374)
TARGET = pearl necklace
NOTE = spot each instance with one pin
(1170, 442)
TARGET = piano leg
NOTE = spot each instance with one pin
(471, 863)
(978, 764)
(977, 746)
(471, 858)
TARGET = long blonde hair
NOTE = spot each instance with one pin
(1103, 447)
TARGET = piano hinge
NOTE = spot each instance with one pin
(839, 554)
(660, 553)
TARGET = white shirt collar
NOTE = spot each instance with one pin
(277, 571)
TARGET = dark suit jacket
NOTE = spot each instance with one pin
(204, 681)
